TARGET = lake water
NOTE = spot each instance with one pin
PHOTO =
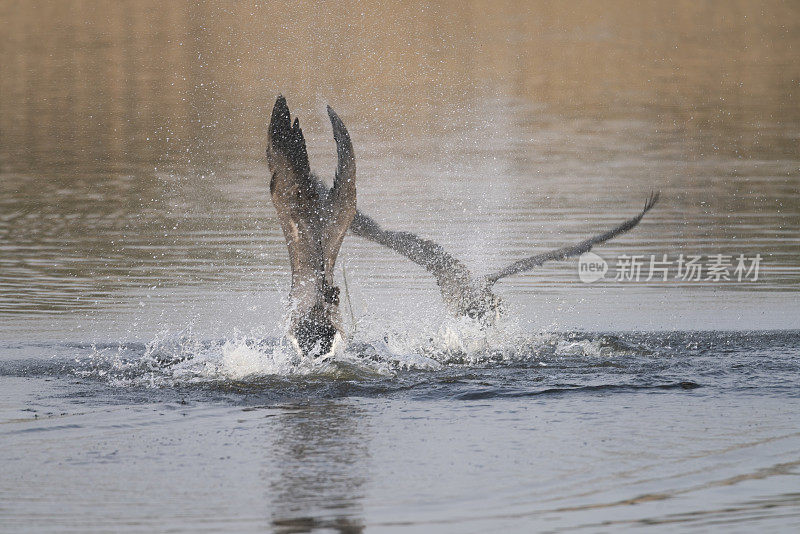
(145, 384)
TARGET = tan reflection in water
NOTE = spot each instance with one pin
(131, 134)
(120, 83)
(322, 459)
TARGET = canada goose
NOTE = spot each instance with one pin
(463, 293)
(314, 220)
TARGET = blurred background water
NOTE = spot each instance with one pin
(133, 173)
(134, 208)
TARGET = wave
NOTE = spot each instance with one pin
(610, 388)
(572, 361)
(186, 358)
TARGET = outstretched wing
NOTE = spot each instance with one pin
(425, 253)
(295, 195)
(342, 196)
(529, 263)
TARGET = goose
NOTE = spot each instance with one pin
(314, 220)
(465, 294)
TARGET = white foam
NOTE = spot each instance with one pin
(186, 358)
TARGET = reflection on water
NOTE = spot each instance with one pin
(573, 432)
(131, 141)
(318, 468)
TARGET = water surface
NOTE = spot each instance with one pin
(144, 381)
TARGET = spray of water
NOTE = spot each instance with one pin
(412, 344)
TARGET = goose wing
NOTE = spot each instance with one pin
(448, 271)
(536, 260)
(342, 197)
(295, 196)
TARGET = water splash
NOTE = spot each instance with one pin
(185, 358)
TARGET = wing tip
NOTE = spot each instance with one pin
(344, 146)
(339, 130)
(280, 114)
(286, 137)
(651, 200)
